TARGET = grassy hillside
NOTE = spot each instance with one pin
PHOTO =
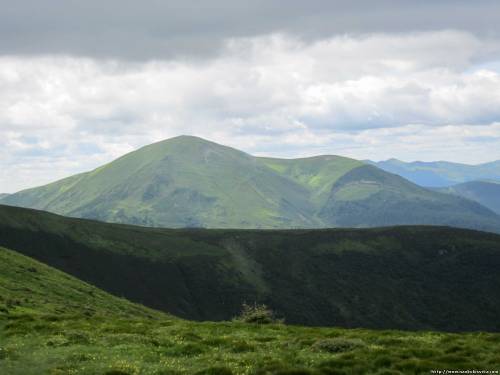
(190, 182)
(367, 195)
(182, 182)
(487, 193)
(51, 323)
(401, 277)
(30, 288)
(440, 173)
(316, 174)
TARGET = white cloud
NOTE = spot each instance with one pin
(412, 96)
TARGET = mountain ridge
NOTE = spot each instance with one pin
(394, 277)
(440, 173)
(486, 193)
(187, 181)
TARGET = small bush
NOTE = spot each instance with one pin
(337, 345)
(257, 314)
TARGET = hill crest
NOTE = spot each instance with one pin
(187, 181)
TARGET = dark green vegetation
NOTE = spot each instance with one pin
(487, 193)
(51, 323)
(403, 277)
(190, 182)
(440, 173)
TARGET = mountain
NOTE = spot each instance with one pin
(190, 182)
(3, 195)
(487, 193)
(52, 323)
(440, 173)
(399, 277)
(181, 182)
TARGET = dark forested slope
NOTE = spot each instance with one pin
(400, 277)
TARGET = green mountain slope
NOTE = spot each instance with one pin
(182, 182)
(487, 193)
(189, 182)
(401, 277)
(51, 323)
(28, 287)
(316, 174)
(367, 195)
(440, 173)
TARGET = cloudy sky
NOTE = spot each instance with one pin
(83, 82)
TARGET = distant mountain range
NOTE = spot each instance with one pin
(440, 173)
(190, 182)
(397, 277)
(486, 193)
(3, 195)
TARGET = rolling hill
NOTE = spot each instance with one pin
(190, 182)
(400, 277)
(487, 193)
(30, 287)
(52, 323)
(440, 173)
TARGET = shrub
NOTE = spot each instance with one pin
(257, 314)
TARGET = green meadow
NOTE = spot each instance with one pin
(52, 323)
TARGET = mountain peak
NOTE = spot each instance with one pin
(186, 138)
(189, 181)
(189, 141)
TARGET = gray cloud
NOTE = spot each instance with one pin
(83, 82)
(412, 96)
(163, 29)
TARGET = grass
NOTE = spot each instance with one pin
(108, 345)
(52, 323)
(31, 291)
